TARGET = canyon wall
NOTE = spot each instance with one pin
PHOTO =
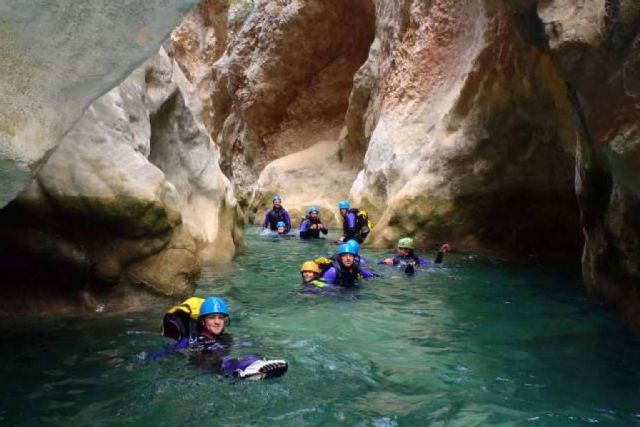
(129, 204)
(474, 122)
(596, 47)
(57, 57)
(468, 133)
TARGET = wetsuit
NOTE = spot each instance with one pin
(339, 275)
(350, 227)
(306, 232)
(361, 263)
(209, 353)
(355, 225)
(409, 262)
(315, 287)
(273, 216)
(413, 259)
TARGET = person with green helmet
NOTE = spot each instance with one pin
(311, 226)
(344, 271)
(406, 258)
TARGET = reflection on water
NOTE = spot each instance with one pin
(474, 342)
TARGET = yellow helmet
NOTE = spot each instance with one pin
(310, 266)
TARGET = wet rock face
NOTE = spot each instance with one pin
(470, 137)
(130, 203)
(275, 79)
(57, 57)
(283, 83)
(596, 46)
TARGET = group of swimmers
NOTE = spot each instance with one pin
(198, 325)
(345, 268)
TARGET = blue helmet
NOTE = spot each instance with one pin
(345, 248)
(214, 305)
(313, 209)
(276, 197)
(281, 224)
(343, 204)
(355, 246)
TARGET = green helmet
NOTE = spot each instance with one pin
(405, 242)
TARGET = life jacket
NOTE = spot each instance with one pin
(275, 216)
(346, 278)
(181, 321)
(309, 233)
(363, 225)
(317, 283)
(323, 263)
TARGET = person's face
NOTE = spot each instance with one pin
(403, 251)
(281, 230)
(313, 215)
(277, 203)
(347, 259)
(214, 323)
(343, 212)
(308, 276)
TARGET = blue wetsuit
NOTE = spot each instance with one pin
(350, 227)
(413, 259)
(410, 262)
(339, 275)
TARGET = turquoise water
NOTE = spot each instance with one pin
(476, 341)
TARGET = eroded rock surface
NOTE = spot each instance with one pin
(57, 57)
(132, 201)
(596, 46)
(470, 138)
(284, 80)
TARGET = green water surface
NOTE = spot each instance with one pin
(475, 341)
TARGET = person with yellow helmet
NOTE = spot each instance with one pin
(406, 258)
(310, 282)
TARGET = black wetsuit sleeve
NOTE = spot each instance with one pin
(439, 258)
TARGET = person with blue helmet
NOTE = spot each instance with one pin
(355, 223)
(214, 315)
(407, 260)
(209, 345)
(277, 214)
(311, 226)
(355, 249)
(344, 271)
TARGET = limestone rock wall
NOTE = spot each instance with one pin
(57, 57)
(130, 203)
(283, 82)
(467, 129)
(596, 46)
